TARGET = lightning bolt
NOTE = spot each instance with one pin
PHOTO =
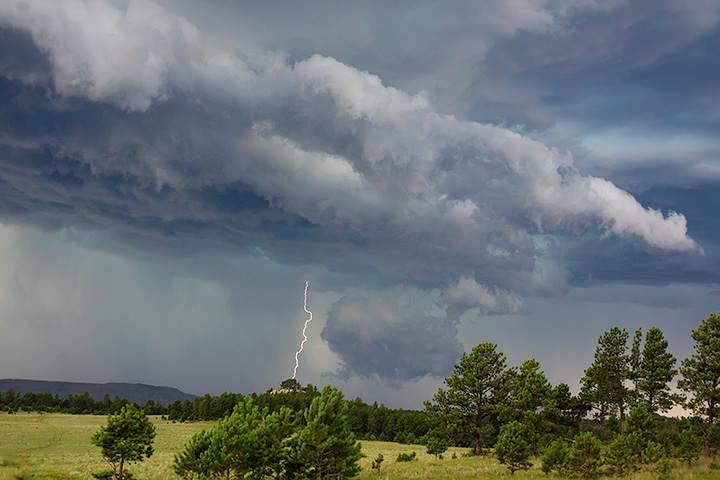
(302, 344)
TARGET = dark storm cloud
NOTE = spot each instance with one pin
(136, 120)
(379, 336)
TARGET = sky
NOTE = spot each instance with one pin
(524, 172)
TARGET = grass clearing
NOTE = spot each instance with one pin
(57, 447)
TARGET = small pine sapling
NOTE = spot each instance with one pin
(512, 447)
(377, 462)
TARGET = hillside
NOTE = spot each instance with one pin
(135, 392)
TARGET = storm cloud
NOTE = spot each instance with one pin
(134, 119)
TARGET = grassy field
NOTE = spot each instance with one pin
(57, 446)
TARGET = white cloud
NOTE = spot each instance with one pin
(102, 53)
(468, 294)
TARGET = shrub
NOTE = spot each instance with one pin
(663, 468)
(405, 457)
(377, 462)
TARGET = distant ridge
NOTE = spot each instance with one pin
(135, 392)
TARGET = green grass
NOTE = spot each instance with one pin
(57, 446)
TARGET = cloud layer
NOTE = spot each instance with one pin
(129, 118)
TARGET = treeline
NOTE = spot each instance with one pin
(370, 422)
(75, 404)
(626, 391)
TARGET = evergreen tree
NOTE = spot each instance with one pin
(701, 373)
(663, 468)
(275, 435)
(604, 382)
(532, 401)
(512, 447)
(127, 437)
(555, 457)
(290, 384)
(584, 460)
(191, 462)
(690, 444)
(656, 371)
(570, 409)
(436, 445)
(634, 361)
(644, 423)
(377, 462)
(476, 387)
(236, 443)
(623, 456)
(326, 447)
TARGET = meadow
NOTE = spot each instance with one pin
(57, 446)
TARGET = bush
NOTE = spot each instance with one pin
(405, 457)
(377, 462)
(104, 475)
(663, 468)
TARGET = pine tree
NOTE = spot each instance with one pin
(690, 444)
(127, 438)
(235, 442)
(604, 382)
(436, 445)
(189, 463)
(512, 447)
(326, 447)
(476, 387)
(274, 442)
(532, 400)
(621, 457)
(555, 457)
(657, 370)
(584, 460)
(634, 361)
(701, 372)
